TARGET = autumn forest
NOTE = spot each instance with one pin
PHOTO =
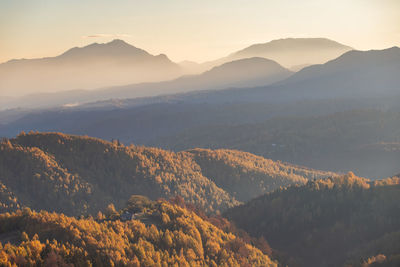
(200, 133)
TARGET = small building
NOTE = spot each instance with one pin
(126, 216)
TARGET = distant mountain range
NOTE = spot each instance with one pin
(355, 73)
(92, 66)
(362, 74)
(118, 63)
(239, 73)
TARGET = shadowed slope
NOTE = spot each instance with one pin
(346, 215)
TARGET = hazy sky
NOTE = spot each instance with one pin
(188, 29)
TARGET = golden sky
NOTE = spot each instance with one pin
(188, 29)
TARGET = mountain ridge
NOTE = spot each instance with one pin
(74, 51)
(82, 174)
(240, 73)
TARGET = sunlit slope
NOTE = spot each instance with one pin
(164, 235)
(78, 174)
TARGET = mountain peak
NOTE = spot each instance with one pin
(111, 43)
(117, 42)
(115, 48)
(308, 41)
(295, 43)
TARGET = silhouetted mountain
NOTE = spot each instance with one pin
(79, 175)
(240, 73)
(364, 73)
(291, 52)
(248, 72)
(92, 66)
(339, 221)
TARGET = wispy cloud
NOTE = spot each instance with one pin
(106, 35)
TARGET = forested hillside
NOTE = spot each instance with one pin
(162, 235)
(329, 222)
(80, 175)
(245, 175)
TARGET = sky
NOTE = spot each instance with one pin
(191, 30)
